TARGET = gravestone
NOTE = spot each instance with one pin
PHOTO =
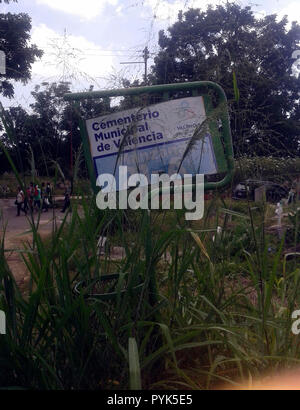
(260, 194)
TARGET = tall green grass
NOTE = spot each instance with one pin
(200, 326)
(214, 305)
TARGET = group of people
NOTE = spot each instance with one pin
(35, 198)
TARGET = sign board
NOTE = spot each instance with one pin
(153, 140)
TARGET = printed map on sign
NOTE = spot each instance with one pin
(152, 140)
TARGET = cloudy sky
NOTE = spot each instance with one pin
(86, 40)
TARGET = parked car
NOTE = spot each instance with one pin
(274, 192)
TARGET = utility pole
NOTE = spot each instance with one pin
(146, 56)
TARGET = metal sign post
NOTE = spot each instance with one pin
(155, 136)
(190, 118)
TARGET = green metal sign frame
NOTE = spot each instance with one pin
(223, 150)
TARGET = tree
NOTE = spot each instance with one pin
(18, 138)
(14, 41)
(50, 131)
(215, 43)
(57, 123)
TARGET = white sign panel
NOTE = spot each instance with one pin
(152, 140)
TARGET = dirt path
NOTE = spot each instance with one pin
(16, 235)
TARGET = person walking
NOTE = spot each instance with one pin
(37, 198)
(67, 203)
(45, 202)
(29, 198)
(19, 201)
(25, 207)
(49, 193)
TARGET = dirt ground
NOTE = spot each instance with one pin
(16, 232)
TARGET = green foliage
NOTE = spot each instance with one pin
(213, 303)
(267, 168)
(221, 307)
(50, 131)
(20, 54)
(134, 365)
(293, 231)
(228, 42)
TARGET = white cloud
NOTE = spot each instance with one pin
(292, 10)
(86, 64)
(168, 9)
(87, 9)
(69, 57)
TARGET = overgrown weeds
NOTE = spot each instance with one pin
(192, 323)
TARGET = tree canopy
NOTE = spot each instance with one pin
(50, 131)
(212, 44)
(20, 55)
(217, 44)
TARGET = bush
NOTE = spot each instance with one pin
(267, 168)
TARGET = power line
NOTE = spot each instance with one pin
(146, 56)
